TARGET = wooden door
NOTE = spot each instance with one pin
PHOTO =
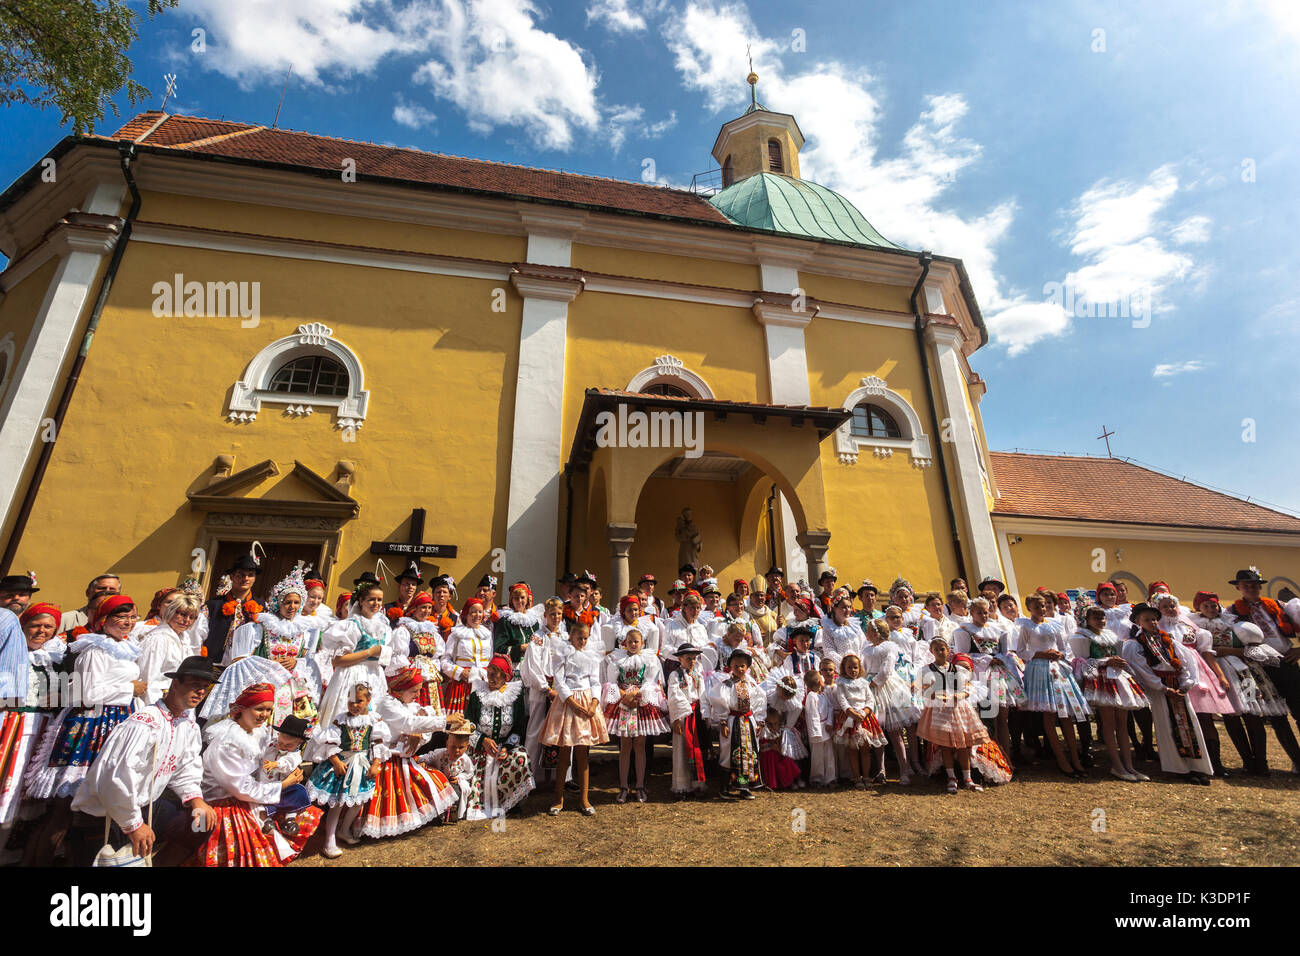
(279, 561)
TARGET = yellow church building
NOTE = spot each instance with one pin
(215, 332)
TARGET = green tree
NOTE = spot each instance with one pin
(70, 54)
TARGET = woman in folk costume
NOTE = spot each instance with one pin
(635, 706)
(1109, 687)
(163, 647)
(764, 617)
(317, 607)
(537, 672)
(34, 701)
(469, 649)
(575, 723)
(111, 687)
(890, 674)
(685, 689)
(630, 617)
(1050, 687)
(232, 756)
(516, 625)
(739, 706)
(1245, 657)
(418, 643)
(503, 776)
(987, 645)
(1209, 695)
(1164, 667)
(407, 794)
(352, 753)
(856, 728)
(841, 633)
(362, 647)
(950, 722)
(290, 639)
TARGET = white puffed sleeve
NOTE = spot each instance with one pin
(340, 638)
(1081, 644)
(119, 779)
(227, 764)
(679, 701)
(153, 661)
(101, 682)
(187, 781)
(244, 641)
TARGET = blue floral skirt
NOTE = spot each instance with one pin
(71, 744)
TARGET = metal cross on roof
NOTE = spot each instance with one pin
(1106, 436)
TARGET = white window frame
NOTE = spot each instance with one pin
(913, 440)
(670, 370)
(315, 338)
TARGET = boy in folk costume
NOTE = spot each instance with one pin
(819, 716)
(685, 687)
(537, 671)
(739, 706)
(280, 758)
(1161, 665)
(455, 764)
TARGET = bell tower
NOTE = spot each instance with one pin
(758, 141)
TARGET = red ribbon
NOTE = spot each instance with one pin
(692, 740)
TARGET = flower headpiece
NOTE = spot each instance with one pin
(292, 583)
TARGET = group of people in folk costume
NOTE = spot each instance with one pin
(234, 730)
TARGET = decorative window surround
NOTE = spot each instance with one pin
(914, 439)
(670, 370)
(314, 338)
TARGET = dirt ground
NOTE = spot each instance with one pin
(1040, 819)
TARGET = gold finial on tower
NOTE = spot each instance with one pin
(752, 79)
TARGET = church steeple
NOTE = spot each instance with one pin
(758, 141)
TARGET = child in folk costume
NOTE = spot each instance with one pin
(987, 757)
(614, 631)
(1050, 687)
(517, 624)
(353, 751)
(1209, 695)
(290, 639)
(913, 658)
(418, 643)
(469, 649)
(780, 746)
(841, 633)
(1109, 687)
(819, 717)
(537, 672)
(362, 644)
(739, 706)
(281, 757)
(455, 764)
(685, 688)
(503, 776)
(1245, 657)
(407, 794)
(635, 707)
(575, 723)
(1163, 667)
(995, 668)
(857, 729)
(232, 760)
(888, 671)
(950, 722)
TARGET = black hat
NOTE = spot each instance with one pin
(868, 586)
(828, 573)
(1248, 574)
(196, 666)
(687, 647)
(739, 652)
(687, 567)
(1139, 608)
(774, 570)
(1000, 585)
(586, 577)
(18, 582)
(245, 562)
(569, 578)
(413, 572)
(442, 580)
(367, 578)
(293, 726)
(803, 627)
(488, 581)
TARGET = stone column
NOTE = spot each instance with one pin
(815, 544)
(620, 538)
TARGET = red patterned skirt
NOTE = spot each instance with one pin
(407, 796)
(455, 693)
(238, 840)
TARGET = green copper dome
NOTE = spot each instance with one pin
(796, 207)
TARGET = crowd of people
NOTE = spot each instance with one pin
(228, 731)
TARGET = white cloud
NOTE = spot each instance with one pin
(616, 15)
(411, 114)
(1177, 368)
(1193, 229)
(622, 119)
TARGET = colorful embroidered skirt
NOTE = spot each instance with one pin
(348, 789)
(1251, 689)
(1003, 682)
(407, 796)
(779, 771)
(455, 693)
(646, 720)
(952, 725)
(1100, 689)
(499, 785)
(70, 746)
(740, 747)
(1050, 687)
(238, 840)
(20, 735)
(991, 762)
(856, 734)
(565, 727)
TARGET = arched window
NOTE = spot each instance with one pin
(670, 376)
(728, 173)
(774, 162)
(872, 421)
(663, 388)
(311, 375)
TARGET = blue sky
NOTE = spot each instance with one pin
(1088, 161)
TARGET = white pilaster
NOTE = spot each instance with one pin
(978, 525)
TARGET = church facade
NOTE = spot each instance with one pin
(215, 333)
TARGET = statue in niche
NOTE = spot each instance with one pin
(688, 537)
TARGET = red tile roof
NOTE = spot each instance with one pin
(288, 147)
(1108, 489)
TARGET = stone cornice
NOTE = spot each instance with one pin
(547, 282)
(774, 308)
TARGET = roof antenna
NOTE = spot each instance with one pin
(170, 78)
(276, 121)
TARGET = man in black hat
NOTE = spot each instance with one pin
(990, 588)
(215, 626)
(408, 583)
(16, 592)
(1279, 633)
(154, 748)
(775, 581)
(827, 583)
(487, 593)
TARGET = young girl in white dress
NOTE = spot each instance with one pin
(950, 722)
(353, 753)
(575, 723)
(857, 728)
(1050, 687)
(469, 650)
(635, 706)
(914, 657)
(685, 693)
(898, 713)
(418, 643)
(1109, 687)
